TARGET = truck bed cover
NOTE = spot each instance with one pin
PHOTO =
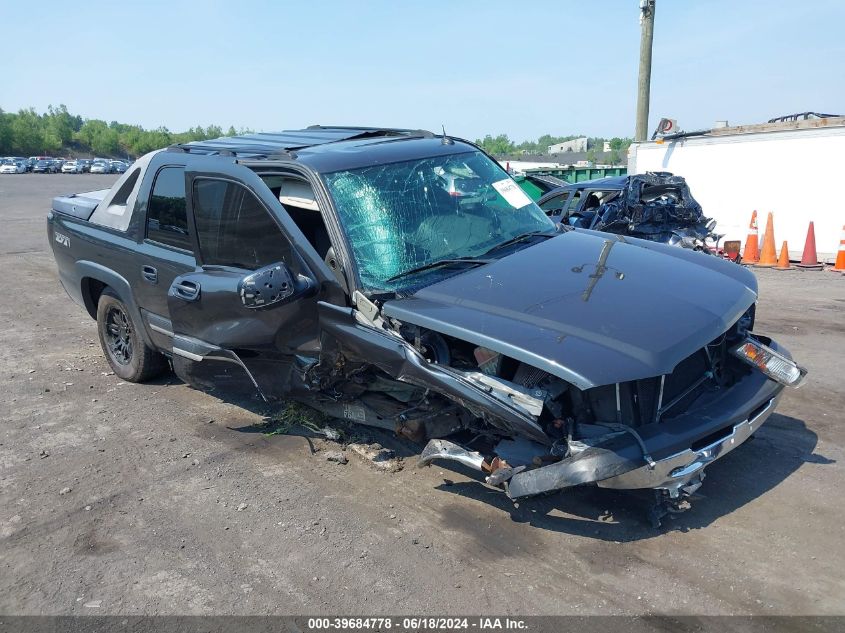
(79, 205)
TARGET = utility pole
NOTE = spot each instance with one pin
(644, 84)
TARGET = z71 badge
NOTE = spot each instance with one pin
(64, 240)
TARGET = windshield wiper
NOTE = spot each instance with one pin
(519, 238)
(439, 263)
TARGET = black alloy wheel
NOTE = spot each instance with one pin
(119, 335)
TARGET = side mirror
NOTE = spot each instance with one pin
(266, 286)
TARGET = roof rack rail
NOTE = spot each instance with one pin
(381, 130)
(283, 144)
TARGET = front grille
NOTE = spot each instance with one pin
(639, 400)
(688, 372)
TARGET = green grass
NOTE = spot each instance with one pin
(294, 415)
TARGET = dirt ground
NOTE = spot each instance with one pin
(158, 499)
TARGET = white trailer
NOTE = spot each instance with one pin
(791, 169)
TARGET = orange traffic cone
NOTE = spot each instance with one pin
(751, 254)
(783, 260)
(840, 256)
(767, 254)
(809, 259)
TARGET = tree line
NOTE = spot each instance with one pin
(58, 132)
(501, 145)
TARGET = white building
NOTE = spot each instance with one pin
(575, 145)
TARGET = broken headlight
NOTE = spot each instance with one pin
(776, 366)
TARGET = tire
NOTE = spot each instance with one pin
(127, 353)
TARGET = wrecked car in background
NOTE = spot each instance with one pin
(656, 206)
(402, 280)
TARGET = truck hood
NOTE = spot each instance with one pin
(589, 307)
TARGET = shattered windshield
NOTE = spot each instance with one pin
(400, 217)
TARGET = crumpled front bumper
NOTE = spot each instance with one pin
(676, 471)
(681, 447)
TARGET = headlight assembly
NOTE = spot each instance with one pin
(776, 366)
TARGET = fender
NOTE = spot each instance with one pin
(119, 285)
(342, 333)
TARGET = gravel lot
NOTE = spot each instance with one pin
(158, 499)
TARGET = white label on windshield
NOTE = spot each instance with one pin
(512, 192)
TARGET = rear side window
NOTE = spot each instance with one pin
(122, 196)
(234, 228)
(167, 218)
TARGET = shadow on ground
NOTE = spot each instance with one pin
(298, 420)
(777, 450)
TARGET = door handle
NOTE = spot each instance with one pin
(150, 274)
(187, 290)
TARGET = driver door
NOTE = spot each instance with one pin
(241, 318)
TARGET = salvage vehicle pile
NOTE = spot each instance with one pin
(403, 280)
(655, 206)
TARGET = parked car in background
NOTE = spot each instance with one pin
(571, 201)
(72, 167)
(100, 167)
(44, 167)
(86, 164)
(656, 206)
(30, 162)
(20, 159)
(119, 166)
(11, 166)
(57, 164)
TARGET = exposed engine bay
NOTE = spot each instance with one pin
(602, 431)
(569, 417)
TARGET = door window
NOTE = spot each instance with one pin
(167, 220)
(234, 228)
(555, 204)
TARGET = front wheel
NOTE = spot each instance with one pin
(127, 353)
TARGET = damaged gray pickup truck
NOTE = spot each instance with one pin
(401, 279)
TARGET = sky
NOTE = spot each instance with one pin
(474, 66)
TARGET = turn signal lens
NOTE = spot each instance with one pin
(776, 366)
